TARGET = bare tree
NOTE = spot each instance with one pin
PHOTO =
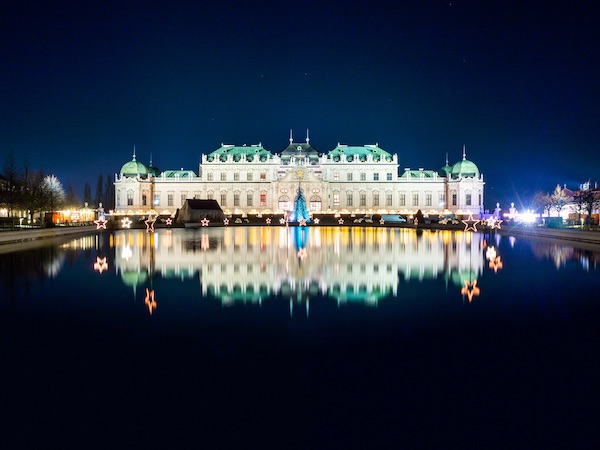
(53, 192)
(559, 198)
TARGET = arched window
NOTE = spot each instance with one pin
(284, 203)
(315, 203)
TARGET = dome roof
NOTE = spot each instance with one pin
(465, 168)
(445, 171)
(134, 168)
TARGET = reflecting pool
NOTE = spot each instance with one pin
(319, 337)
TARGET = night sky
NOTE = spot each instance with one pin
(516, 82)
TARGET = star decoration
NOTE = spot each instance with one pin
(496, 264)
(169, 221)
(259, 216)
(490, 253)
(317, 220)
(150, 223)
(302, 222)
(268, 221)
(341, 221)
(470, 223)
(205, 222)
(100, 265)
(126, 222)
(149, 300)
(381, 221)
(282, 221)
(444, 221)
(100, 223)
(225, 221)
(470, 290)
(494, 223)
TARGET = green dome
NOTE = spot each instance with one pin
(134, 168)
(465, 168)
(445, 171)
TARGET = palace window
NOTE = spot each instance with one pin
(363, 199)
(442, 199)
(284, 203)
(263, 200)
(249, 199)
(209, 176)
(236, 176)
(402, 199)
(223, 176)
(236, 199)
(130, 199)
(479, 199)
(428, 199)
(468, 199)
(210, 196)
(156, 200)
(169, 199)
(144, 200)
(336, 176)
(263, 176)
(223, 199)
(183, 198)
(249, 176)
(415, 200)
(349, 176)
(454, 199)
(349, 199)
(376, 199)
(389, 176)
(315, 203)
(336, 199)
(388, 199)
(375, 177)
(363, 177)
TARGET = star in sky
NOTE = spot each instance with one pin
(470, 223)
(126, 222)
(100, 223)
(205, 222)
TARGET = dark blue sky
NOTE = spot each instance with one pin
(516, 82)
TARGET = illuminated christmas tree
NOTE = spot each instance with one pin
(300, 211)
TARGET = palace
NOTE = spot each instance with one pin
(348, 179)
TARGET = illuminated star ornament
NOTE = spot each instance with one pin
(381, 221)
(282, 221)
(100, 265)
(150, 221)
(225, 221)
(341, 221)
(100, 223)
(268, 221)
(494, 223)
(470, 223)
(496, 264)
(205, 222)
(443, 221)
(169, 221)
(470, 290)
(126, 222)
(149, 300)
(317, 221)
(302, 222)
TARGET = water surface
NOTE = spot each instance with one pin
(301, 338)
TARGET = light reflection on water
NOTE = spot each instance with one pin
(248, 265)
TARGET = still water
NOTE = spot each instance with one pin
(300, 338)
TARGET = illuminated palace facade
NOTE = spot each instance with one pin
(348, 179)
